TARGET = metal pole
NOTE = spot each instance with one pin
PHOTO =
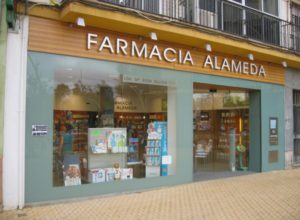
(232, 141)
(222, 14)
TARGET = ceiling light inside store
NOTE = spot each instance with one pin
(153, 36)
(284, 64)
(208, 47)
(250, 56)
(80, 22)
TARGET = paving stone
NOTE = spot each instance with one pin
(271, 195)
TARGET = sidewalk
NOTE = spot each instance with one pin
(273, 195)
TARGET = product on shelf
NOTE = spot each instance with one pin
(100, 145)
(105, 140)
(109, 174)
(126, 173)
(117, 171)
(96, 175)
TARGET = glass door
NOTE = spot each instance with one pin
(221, 129)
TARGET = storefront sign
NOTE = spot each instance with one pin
(143, 50)
(235, 66)
(57, 37)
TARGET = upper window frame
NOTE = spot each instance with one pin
(262, 7)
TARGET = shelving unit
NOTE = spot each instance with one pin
(133, 151)
(153, 157)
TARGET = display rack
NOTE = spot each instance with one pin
(153, 157)
(106, 157)
(133, 151)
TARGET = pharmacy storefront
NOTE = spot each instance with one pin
(109, 112)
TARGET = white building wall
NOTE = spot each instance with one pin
(14, 117)
(283, 7)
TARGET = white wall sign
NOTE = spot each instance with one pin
(144, 80)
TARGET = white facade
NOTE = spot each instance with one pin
(14, 117)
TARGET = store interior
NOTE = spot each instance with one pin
(221, 131)
(116, 130)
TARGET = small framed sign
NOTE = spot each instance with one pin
(39, 130)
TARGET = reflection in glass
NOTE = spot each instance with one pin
(271, 6)
(254, 4)
(106, 129)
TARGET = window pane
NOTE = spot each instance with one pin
(110, 126)
(208, 5)
(217, 117)
(254, 4)
(271, 6)
(233, 19)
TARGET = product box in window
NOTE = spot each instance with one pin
(126, 173)
(72, 175)
(97, 140)
(96, 175)
(109, 174)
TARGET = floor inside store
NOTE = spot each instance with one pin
(210, 170)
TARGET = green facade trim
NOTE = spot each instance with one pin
(11, 14)
(39, 110)
(3, 42)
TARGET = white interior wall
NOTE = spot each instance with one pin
(77, 102)
(91, 102)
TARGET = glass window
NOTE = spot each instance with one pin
(296, 103)
(232, 19)
(271, 6)
(207, 5)
(110, 126)
(254, 4)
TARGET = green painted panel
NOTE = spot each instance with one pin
(255, 135)
(39, 110)
(272, 102)
(3, 40)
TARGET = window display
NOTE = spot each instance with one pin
(106, 129)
